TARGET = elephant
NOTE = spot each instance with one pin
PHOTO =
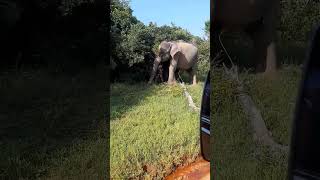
(162, 72)
(181, 55)
(257, 18)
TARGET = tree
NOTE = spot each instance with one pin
(207, 28)
(121, 22)
(138, 43)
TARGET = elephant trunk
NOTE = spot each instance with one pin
(154, 69)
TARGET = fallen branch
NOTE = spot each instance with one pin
(189, 98)
(261, 133)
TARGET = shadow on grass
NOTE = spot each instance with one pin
(124, 96)
(201, 77)
(45, 119)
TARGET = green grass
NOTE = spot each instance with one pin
(235, 154)
(52, 126)
(196, 93)
(152, 130)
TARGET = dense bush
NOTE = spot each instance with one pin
(203, 58)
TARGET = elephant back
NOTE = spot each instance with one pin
(190, 54)
(187, 47)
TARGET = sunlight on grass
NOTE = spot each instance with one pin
(152, 130)
(196, 92)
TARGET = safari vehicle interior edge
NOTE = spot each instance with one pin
(304, 155)
(305, 145)
(205, 120)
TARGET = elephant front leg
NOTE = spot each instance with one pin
(172, 79)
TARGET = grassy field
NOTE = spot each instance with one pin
(152, 130)
(52, 126)
(235, 154)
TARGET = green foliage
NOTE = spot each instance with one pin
(203, 58)
(121, 22)
(121, 16)
(298, 19)
(138, 43)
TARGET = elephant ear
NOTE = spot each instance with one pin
(175, 51)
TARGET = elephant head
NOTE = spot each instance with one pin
(166, 51)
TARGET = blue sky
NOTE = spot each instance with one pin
(188, 14)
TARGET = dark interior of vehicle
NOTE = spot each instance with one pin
(205, 121)
(304, 160)
(305, 146)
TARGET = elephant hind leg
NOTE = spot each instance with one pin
(260, 51)
(264, 53)
(192, 75)
(264, 41)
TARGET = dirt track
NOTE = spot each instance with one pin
(199, 170)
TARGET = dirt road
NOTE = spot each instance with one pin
(199, 170)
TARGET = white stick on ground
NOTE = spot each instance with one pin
(261, 133)
(189, 98)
